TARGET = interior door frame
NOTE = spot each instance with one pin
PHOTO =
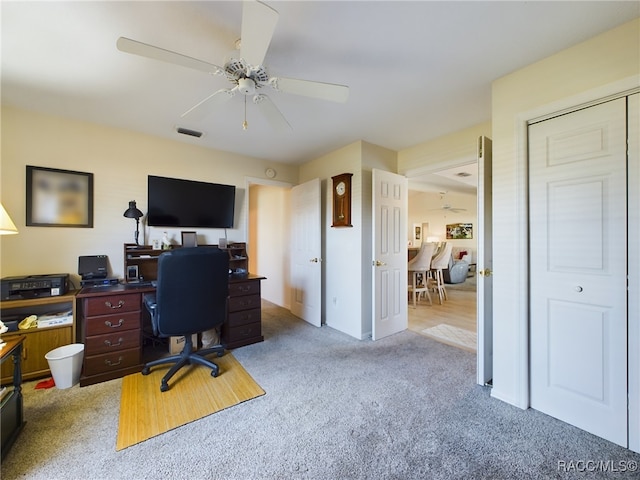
(610, 91)
(248, 181)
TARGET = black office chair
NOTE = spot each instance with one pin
(191, 297)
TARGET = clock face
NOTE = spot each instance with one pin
(341, 188)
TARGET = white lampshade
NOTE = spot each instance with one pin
(7, 227)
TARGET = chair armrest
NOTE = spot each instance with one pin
(150, 302)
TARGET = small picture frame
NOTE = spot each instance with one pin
(156, 245)
(132, 273)
(189, 239)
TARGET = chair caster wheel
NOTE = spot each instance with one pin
(146, 370)
(164, 387)
(214, 373)
(220, 354)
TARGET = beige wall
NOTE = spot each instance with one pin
(120, 161)
(452, 149)
(592, 69)
(424, 208)
(342, 286)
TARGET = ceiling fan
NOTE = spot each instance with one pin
(447, 207)
(246, 72)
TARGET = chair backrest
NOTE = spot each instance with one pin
(441, 260)
(191, 290)
(422, 260)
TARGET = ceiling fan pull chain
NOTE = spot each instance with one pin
(245, 124)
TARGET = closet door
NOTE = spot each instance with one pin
(578, 263)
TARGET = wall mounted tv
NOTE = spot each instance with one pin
(174, 202)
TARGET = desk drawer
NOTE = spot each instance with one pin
(235, 319)
(244, 288)
(108, 362)
(112, 342)
(248, 302)
(113, 304)
(232, 335)
(112, 323)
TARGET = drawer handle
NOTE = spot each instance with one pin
(109, 344)
(108, 362)
(245, 288)
(114, 307)
(111, 325)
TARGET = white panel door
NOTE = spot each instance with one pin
(578, 269)
(484, 264)
(306, 261)
(389, 210)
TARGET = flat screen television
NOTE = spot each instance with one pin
(174, 202)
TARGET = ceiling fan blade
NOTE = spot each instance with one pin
(258, 24)
(271, 113)
(144, 50)
(203, 108)
(324, 91)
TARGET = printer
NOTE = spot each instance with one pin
(34, 286)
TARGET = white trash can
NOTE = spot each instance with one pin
(66, 363)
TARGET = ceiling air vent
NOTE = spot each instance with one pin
(186, 131)
(463, 174)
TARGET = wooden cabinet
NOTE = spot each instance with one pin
(110, 326)
(38, 341)
(244, 323)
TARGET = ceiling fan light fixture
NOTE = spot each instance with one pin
(246, 86)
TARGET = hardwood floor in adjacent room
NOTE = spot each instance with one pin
(459, 310)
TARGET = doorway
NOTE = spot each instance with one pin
(441, 203)
(267, 248)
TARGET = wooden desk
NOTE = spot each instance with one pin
(110, 324)
(12, 419)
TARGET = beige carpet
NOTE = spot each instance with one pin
(193, 393)
(453, 335)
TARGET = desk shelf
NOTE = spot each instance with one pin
(38, 341)
(145, 259)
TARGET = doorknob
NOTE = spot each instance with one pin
(378, 263)
(316, 260)
(486, 272)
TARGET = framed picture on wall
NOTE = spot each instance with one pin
(417, 232)
(460, 231)
(59, 198)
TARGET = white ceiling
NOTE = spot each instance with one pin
(416, 70)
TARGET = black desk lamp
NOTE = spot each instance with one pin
(133, 212)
